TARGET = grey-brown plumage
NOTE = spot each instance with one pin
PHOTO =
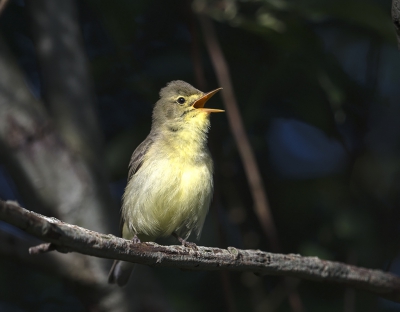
(170, 178)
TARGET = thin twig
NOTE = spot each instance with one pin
(74, 238)
(3, 4)
(201, 82)
(195, 47)
(253, 175)
(254, 178)
(42, 248)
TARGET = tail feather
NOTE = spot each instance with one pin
(120, 272)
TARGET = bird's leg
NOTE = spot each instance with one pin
(184, 242)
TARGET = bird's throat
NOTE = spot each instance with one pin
(186, 139)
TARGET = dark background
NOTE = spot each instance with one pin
(317, 83)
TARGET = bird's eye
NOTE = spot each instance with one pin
(181, 100)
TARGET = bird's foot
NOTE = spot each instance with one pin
(189, 244)
(136, 240)
(184, 242)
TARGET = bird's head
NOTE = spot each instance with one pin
(181, 106)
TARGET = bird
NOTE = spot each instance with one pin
(170, 179)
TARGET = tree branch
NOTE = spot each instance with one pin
(67, 237)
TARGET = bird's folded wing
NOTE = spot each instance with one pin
(138, 156)
(134, 165)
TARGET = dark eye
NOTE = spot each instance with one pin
(181, 100)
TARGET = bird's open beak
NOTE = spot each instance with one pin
(199, 104)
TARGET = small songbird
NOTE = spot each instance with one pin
(170, 182)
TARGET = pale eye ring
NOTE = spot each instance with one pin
(181, 100)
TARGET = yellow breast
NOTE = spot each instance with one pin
(171, 192)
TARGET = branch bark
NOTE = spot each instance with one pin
(72, 238)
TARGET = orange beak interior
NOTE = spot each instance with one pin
(199, 104)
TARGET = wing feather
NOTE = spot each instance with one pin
(134, 165)
(138, 156)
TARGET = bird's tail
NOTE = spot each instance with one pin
(120, 272)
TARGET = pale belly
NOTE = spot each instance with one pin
(167, 196)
